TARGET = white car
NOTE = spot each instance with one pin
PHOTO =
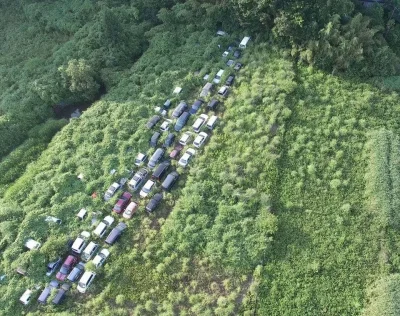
(147, 188)
(225, 53)
(80, 242)
(185, 138)
(98, 261)
(165, 126)
(111, 191)
(200, 121)
(32, 244)
(103, 225)
(85, 281)
(140, 159)
(223, 91)
(187, 156)
(200, 139)
(218, 76)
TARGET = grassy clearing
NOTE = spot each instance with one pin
(327, 244)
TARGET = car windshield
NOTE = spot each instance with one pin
(184, 161)
(146, 189)
(64, 269)
(82, 285)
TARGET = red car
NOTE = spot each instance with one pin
(122, 203)
(66, 268)
(176, 151)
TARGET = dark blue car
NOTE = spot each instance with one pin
(195, 107)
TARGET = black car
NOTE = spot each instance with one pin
(212, 105)
(170, 180)
(230, 79)
(179, 109)
(195, 106)
(238, 66)
(153, 121)
(161, 170)
(182, 120)
(153, 203)
(115, 233)
(169, 140)
(61, 294)
(52, 266)
(236, 54)
(154, 139)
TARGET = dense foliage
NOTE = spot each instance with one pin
(291, 206)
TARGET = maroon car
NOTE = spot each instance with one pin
(176, 151)
(66, 268)
(122, 203)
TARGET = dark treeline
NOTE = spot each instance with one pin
(62, 52)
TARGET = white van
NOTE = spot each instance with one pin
(212, 121)
(89, 251)
(243, 43)
(85, 281)
(103, 225)
(217, 78)
(82, 214)
(26, 297)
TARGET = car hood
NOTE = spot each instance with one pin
(60, 276)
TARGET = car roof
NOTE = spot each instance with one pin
(109, 219)
(134, 204)
(149, 184)
(126, 195)
(32, 244)
(86, 276)
(121, 226)
(91, 245)
(70, 259)
(185, 156)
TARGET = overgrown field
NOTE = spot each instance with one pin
(290, 208)
(328, 243)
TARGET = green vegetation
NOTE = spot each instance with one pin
(290, 208)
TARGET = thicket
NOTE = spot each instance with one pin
(271, 210)
(157, 276)
(12, 167)
(62, 53)
(328, 247)
(340, 36)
